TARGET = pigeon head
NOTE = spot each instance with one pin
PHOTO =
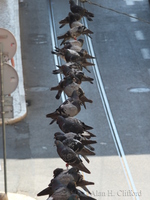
(60, 120)
(57, 171)
(71, 2)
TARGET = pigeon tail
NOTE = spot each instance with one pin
(86, 142)
(56, 71)
(55, 88)
(53, 115)
(46, 191)
(85, 99)
(82, 167)
(87, 160)
(88, 134)
(87, 78)
(58, 94)
(87, 152)
(84, 182)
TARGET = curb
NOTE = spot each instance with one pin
(19, 104)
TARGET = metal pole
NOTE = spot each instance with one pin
(3, 119)
(77, 2)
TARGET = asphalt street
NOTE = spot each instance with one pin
(122, 48)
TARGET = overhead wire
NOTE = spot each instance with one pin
(116, 11)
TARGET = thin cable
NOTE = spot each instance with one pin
(116, 11)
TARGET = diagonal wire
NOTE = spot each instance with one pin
(116, 11)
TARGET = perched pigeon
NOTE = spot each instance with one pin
(70, 157)
(74, 125)
(79, 42)
(64, 177)
(82, 11)
(71, 16)
(61, 191)
(82, 196)
(75, 50)
(70, 108)
(69, 85)
(78, 148)
(62, 136)
(73, 56)
(78, 74)
(74, 33)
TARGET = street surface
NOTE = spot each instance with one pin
(122, 49)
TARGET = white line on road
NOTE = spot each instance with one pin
(145, 53)
(133, 19)
(129, 2)
(139, 35)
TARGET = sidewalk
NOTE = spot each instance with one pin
(9, 15)
(12, 196)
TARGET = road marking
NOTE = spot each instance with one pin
(110, 119)
(145, 53)
(139, 35)
(129, 2)
(133, 19)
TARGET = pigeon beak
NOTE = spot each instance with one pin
(75, 37)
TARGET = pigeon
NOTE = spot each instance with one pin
(62, 52)
(82, 196)
(72, 57)
(78, 74)
(74, 65)
(64, 177)
(71, 16)
(78, 148)
(82, 11)
(62, 136)
(69, 85)
(79, 42)
(70, 157)
(74, 125)
(74, 175)
(69, 137)
(76, 50)
(69, 108)
(61, 191)
(74, 33)
(69, 55)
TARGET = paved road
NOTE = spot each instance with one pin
(122, 49)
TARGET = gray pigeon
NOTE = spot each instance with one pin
(70, 157)
(80, 10)
(78, 74)
(69, 108)
(74, 33)
(71, 16)
(74, 125)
